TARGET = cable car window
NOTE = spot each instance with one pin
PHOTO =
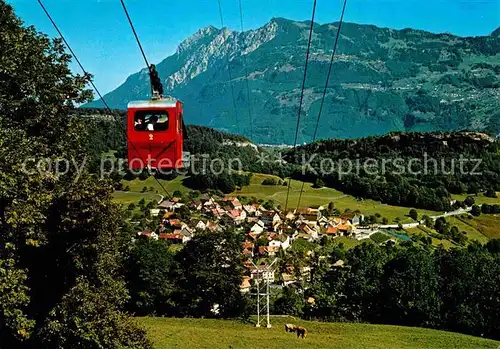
(151, 120)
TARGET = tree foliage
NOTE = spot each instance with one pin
(407, 285)
(60, 252)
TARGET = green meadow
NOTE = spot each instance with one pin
(169, 333)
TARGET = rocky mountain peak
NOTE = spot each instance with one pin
(496, 33)
(203, 33)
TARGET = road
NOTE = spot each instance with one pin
(366, 233)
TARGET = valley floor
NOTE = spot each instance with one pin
(205, 333)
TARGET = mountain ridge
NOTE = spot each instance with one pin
(382, 80)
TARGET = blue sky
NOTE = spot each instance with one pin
(101, 37)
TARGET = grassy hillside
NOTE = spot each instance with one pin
(479, 199)
(487, 225)
(203, 333)
(322, 196)
(310, 196)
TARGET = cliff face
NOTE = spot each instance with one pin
(382, 80)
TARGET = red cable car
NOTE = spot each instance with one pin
(155, 134)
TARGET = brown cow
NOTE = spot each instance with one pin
(290, 328)
(301, 331)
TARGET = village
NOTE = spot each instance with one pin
(266, 231)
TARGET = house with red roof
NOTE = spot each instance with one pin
(175, 238)
(148, 234)
(236, 204)
(268, 251)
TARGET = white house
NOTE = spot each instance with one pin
(257, 228)
(262, 273)
(357, 219)
(249, 209)
(282, 241)
(270, 218)
(200, 225)
(168, 205)
(287, 279)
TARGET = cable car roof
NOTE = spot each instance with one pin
(157, 103)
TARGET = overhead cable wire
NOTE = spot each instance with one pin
(337, 36)
(246, 76)
(302, 95)
(229, 68)
(93, 85)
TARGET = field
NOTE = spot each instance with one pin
(204, 333)
(310, 196)
(348, 242)
(128, 197)
(323, 196)
(472, 232)
(486, 224)
(436, 242)
(134, 194)
(480, 228)
(479, 199)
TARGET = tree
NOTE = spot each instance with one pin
(150, 205)
(469, 201)
(177, 194)
(493, 246)
(225, 183)
(142, 203)
(413, 214)
(331, 207)
(210, 275)
(476, 210)
(410, 291)
(290, 303)
(485, 208)
(318, 183)
(469, 278)
(193, 194)
(144, 175)
(131, 206)
(269, 181)
(60, 233)
(269, 204)
(427, 221)
(151, 278)
(490, 193)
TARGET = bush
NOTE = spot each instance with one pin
(379, 237)
(476, 211)
(269, 181)
(413, 214)
(469, 201)
(490, 193)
